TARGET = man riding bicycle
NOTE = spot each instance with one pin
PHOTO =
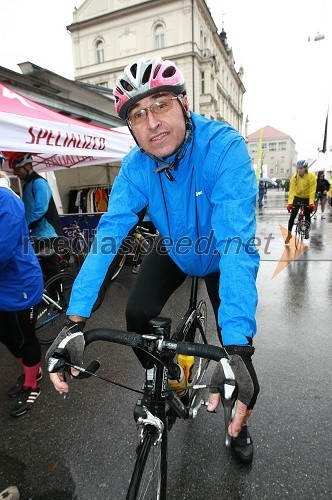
(196, 177)
(301, 193)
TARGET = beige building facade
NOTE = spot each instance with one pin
(109, 34)
(278, 152)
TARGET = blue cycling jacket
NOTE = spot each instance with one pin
(207, 217)
(37, 198)
(21, 279)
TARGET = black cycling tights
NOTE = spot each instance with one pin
(157, 279)
(17, 332)
(297, 203)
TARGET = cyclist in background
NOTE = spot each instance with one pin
(195, 175)
(21, 288)
(323, 187)
(41, 213)
(301, 193)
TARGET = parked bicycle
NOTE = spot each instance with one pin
(137, 244)
(159, 405)
(75, 248)
(53, 306)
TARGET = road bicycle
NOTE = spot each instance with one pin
(76, 248)
(138, 243)
(302, 226)
(159, 406)
(51, 309)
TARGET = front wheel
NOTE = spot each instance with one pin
(149, 479)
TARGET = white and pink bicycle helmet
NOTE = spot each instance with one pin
(143, 78)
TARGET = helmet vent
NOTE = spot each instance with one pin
(169, 72)
(126, 85)
(156, 70)
(147, 74)
(133, 70)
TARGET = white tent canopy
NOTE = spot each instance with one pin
(324, 162)
(54, 140)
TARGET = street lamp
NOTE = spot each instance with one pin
(319, 37)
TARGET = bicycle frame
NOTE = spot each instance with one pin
(160, 405)
(186, 328)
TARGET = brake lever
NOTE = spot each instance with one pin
(228, 398)
(59, 361)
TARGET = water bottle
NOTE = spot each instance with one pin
(177, 380)
(187, 363)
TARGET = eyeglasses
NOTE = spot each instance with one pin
(163, 105)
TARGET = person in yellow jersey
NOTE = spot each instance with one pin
(301, 193)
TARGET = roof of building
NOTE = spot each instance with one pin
(268, 133)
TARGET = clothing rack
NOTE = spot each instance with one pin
(91, 186)
(88, 198)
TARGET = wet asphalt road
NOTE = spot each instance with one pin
(84, 447)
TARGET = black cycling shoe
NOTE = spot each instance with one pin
(243, 447)
(19, 386)
(25, 401)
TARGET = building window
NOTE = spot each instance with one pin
(100, 52)
(264, 146)
(282, 159)
(282, 146)
(272, 146)
(271, 171)
(253, 148)
(159, 37)
(202, 82)
(281, 170)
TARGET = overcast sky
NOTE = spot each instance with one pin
(288, 79)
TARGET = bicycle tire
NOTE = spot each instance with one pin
(149, 478)
(49, 315)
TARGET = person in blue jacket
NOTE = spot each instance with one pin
(196, 177)
(41, 212)
(21, 288)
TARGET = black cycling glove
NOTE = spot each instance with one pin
(244, 373)
(70, 338)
